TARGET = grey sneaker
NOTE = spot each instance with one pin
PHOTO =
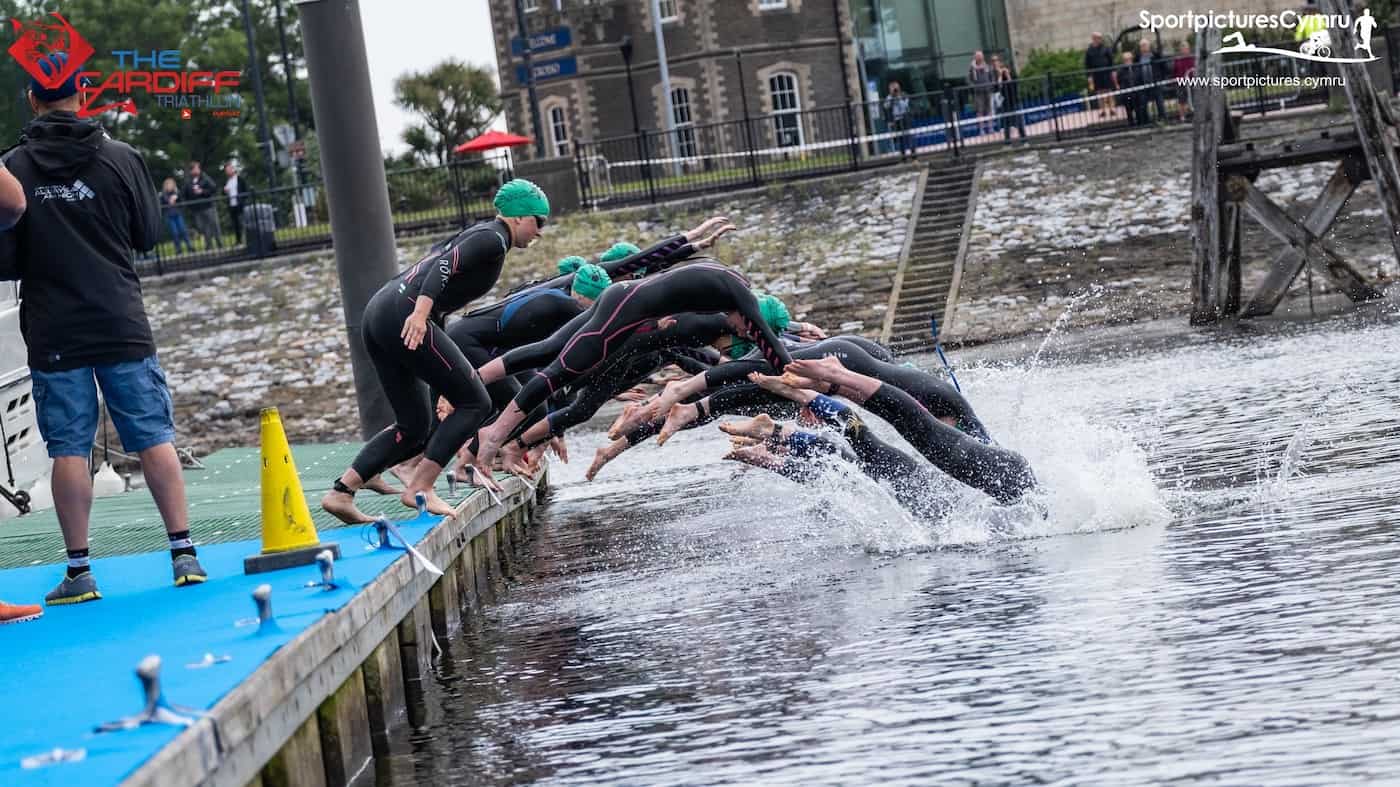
(74, 591)
(187, 570)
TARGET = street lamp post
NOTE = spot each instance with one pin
(625, 47)
(529, 77)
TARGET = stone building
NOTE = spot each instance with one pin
(790, 59)
(783, 58)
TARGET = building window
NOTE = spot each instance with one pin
(787, 109)
(685, 124)
(530, 6)
(771, 5)
(669, 11)
(559, 131)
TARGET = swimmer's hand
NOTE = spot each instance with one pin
(560, 450)
(807, 331)
(706, 243)
(444, 408)
(414, 329)
(665, 322)
(704, 228)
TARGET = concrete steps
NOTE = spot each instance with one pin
(928, 271)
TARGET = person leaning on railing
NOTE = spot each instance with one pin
(1010, 99)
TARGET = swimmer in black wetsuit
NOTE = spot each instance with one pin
(1003, 474)
(402, 329)
(677, 339)
(588, 340)
(678, 405)
(764, 442)
(529, 317)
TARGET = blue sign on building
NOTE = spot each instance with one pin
(548, 69)
(558, 38)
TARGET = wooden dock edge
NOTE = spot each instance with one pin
(310, 714)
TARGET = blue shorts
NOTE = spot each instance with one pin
(137, 398)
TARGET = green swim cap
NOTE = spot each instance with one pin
(571, 264)
(740, 347)
(618, 251)
(520, 197)
(590, 281)
(774, 312)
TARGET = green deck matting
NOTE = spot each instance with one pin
(224, 501)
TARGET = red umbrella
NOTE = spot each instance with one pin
(490, 141)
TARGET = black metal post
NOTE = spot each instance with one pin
(748, 125)
(529, 77)
(298, 164)
(625, 48)
(287, 67)
(1050, 103)
(645, 150)
(258, 93)
(851, 132)
(353, 172)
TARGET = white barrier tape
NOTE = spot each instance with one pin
(881, 136)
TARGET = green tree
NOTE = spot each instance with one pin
(455, 101)
(209, 35)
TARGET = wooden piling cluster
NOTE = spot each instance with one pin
(1223, 191)
(321, 707)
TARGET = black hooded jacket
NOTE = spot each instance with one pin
(90, 202)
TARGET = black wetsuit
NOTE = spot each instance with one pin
(524, 319)
(1001, 473)
(939, 398)
(629, 307)
(466, 268)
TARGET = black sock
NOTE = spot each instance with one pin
(180, 544)
(77, 562)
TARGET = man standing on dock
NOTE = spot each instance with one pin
(91, 202)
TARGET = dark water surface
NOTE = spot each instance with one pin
(1212, 597)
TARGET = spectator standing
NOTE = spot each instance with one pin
(1183, 67)
(199, 194)
(981, 78)
(1010, 99)
(1151, 71)
(1126, 79)
(897, 112)
(238, 193)
(84, 322)
(174, 215)
(1098, 61)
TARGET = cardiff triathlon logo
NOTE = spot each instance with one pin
(35, 41)
(1315, 36)
(163, 78)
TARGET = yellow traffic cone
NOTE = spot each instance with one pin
(288, 534)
